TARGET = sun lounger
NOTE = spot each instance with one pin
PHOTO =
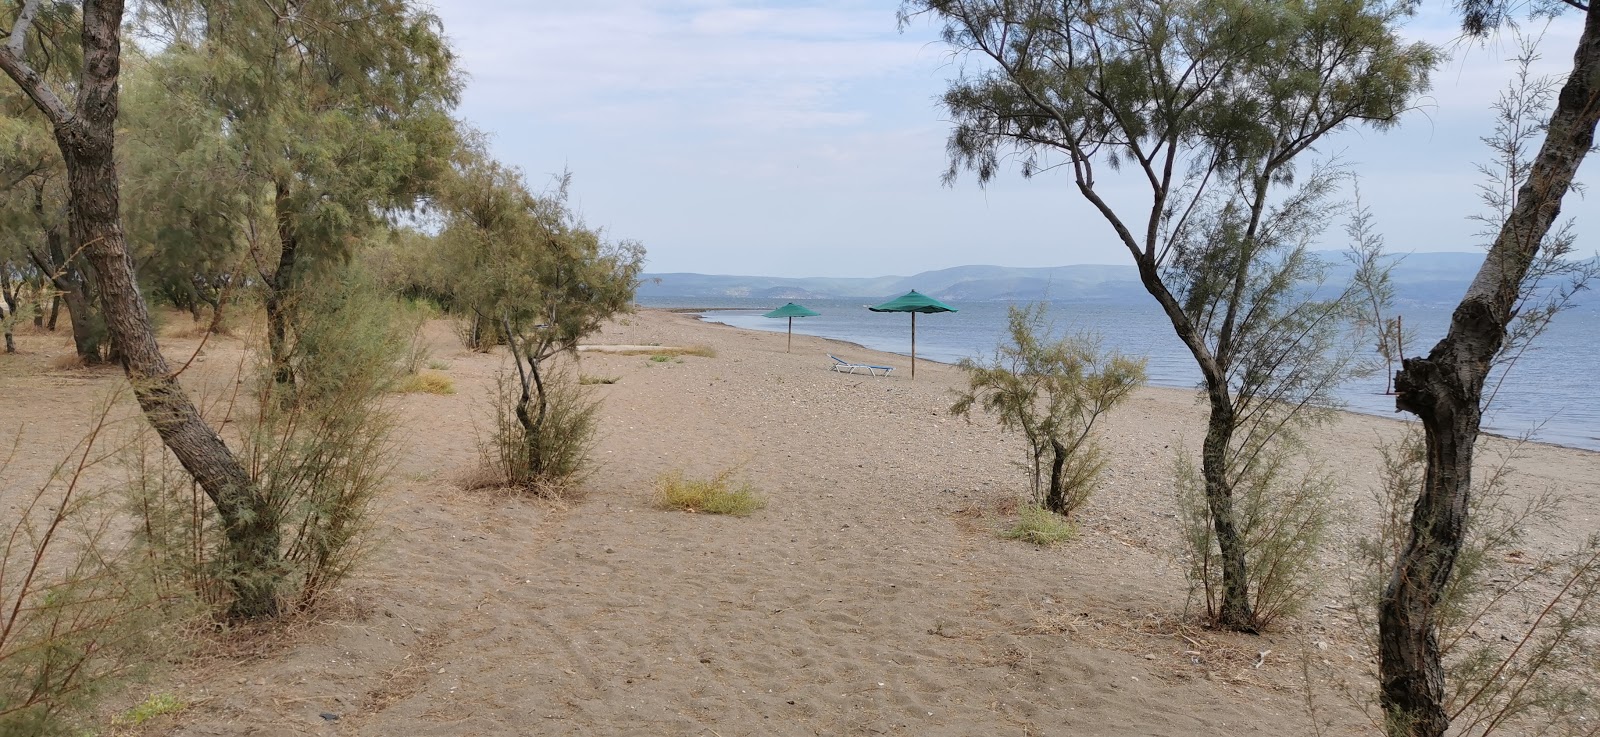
(839, 364)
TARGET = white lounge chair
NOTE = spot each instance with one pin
(841, 365)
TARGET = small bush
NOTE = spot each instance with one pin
(661, 358)
(716, 495)
(1282, 517)
(558, 455)
(590, 380)
(426, 382)
(1039, 526)
(438, 365)
(157, 705)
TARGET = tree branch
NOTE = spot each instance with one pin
(26, 77)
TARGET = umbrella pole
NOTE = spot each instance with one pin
(913, 345)
(790, 347)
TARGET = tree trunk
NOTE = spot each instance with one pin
(55, 311)
(86, 135)
(1445, 390)
(1236, 613)
(87, 328)
(279, 291)
(1055, 499)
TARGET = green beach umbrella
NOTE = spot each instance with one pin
(791, 311)
(913, 302)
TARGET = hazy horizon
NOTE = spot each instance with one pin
(803, 136)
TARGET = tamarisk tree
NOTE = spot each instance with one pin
(525, 265)
(1210, 104)
(85, 132)
(1445, 388)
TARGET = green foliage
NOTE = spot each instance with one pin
(1051, 391)
(318, 450)
(157, 705)
(716, 495)
(660, 358)
(1283, 515)
(1210, 104)
(528, 273)
(1039, 526)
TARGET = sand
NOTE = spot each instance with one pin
(871, 596)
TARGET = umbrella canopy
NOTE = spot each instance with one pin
(791, 311)
(914, 302)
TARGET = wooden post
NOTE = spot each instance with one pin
(913, 345)
(790, 347)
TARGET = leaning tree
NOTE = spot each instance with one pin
(85, 132)
(1444, 389)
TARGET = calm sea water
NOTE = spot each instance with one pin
(1553, 390)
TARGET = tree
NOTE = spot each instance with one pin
(333, 115)
(85, 133)
(1445, 388)
(1210, 103)
(525, 265)
(1052, 391)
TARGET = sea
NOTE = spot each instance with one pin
(1551, 393)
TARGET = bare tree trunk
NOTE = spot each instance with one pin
(55, 311)
(86, 135)
(1445, 390)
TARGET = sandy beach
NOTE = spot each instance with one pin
(870, 597)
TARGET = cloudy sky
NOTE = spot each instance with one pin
(802, 138)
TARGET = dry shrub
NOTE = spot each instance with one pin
(67, 362)
(666, 351)
(78, 616)
(716, 495)
(555, 458)
(426, 382)
(590, 380)
(1282, 517)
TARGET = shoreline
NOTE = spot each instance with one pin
(700, 318)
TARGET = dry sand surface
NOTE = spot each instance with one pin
(870, 597)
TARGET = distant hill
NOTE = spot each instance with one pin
(1421, 278)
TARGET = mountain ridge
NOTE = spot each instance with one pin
(1419, 278)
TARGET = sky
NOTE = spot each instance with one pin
(804, 137)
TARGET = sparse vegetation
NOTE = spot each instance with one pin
(720, 494)
(1052, 391)
(1039, 526)
(157, 705)
(591, 380)
(426, 382)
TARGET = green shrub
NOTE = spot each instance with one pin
(1039, 526)
(1051, 391)
(426, 382)
(1282, 517)
(716, 495)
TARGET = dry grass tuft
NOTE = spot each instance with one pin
(703, 351)
(68, 362)
(716, 495)
(426, 382)
(590, 380)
